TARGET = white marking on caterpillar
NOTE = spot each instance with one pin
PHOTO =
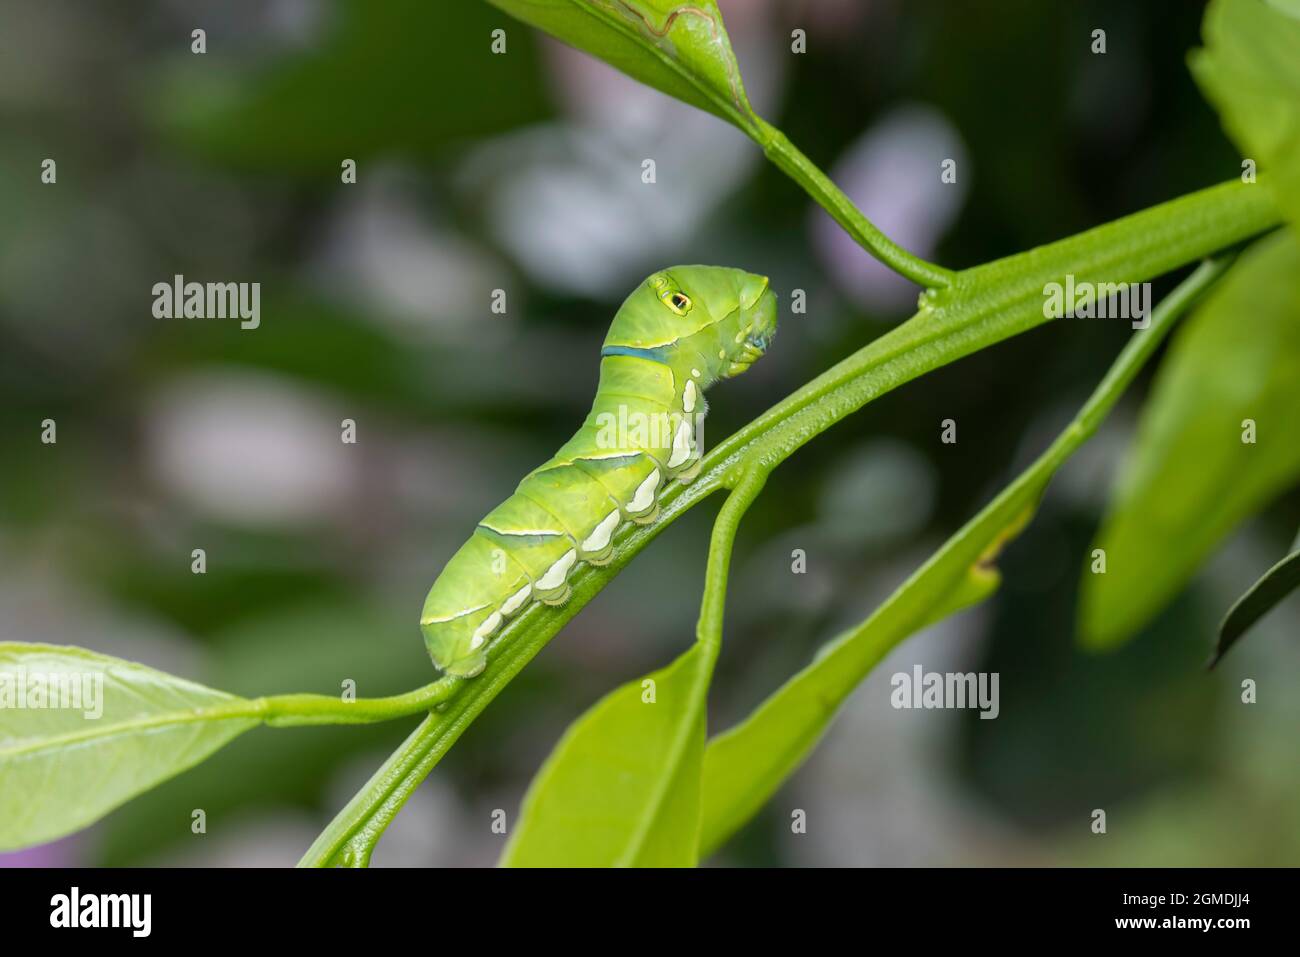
(514, 601)
(600, 457)
(483, 631)
(555, 575)
(599, 537)
(681, 445)
(645, 493)
(688, 396)
(696, 373)
(459, 614)
(523, 532)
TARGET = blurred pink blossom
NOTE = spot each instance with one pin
(892, 173)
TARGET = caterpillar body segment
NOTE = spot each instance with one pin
(680, 331)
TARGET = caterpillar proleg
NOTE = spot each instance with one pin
(680, 331)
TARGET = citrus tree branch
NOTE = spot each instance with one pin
(980, 307)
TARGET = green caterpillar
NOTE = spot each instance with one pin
(680, 331)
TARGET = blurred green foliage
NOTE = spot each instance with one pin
(1199, 466)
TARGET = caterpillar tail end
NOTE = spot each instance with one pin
(470, 666)
(454, 653)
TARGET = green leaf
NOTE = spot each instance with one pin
(61, 768)
(1275, 585)
(1192, 476)
(679, 47)
(313, 645)
(1250, 70)
(603, 798)
(744, 766)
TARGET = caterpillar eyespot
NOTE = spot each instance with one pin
(678, 302)
(674, 336)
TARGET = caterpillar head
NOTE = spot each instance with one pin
(724, 317)
(756, 323)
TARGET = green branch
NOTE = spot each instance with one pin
(708, 630)
(292, 710)
(980, 307)
(788, 158)
(681, 758)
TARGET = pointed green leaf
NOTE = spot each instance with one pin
(1216, 442)
(1250, 70)
(622, 787)
(81, 733)
(680, 48)
(1275, 585)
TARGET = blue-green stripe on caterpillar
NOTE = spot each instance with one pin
(679, 332)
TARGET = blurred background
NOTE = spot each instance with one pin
(522, 172)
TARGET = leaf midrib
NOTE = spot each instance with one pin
(240, 708)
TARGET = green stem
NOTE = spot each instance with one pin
(982, 306)
(708, 630)
(690, 727)
(787, 157)
(290, 710)
(1135, 355)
